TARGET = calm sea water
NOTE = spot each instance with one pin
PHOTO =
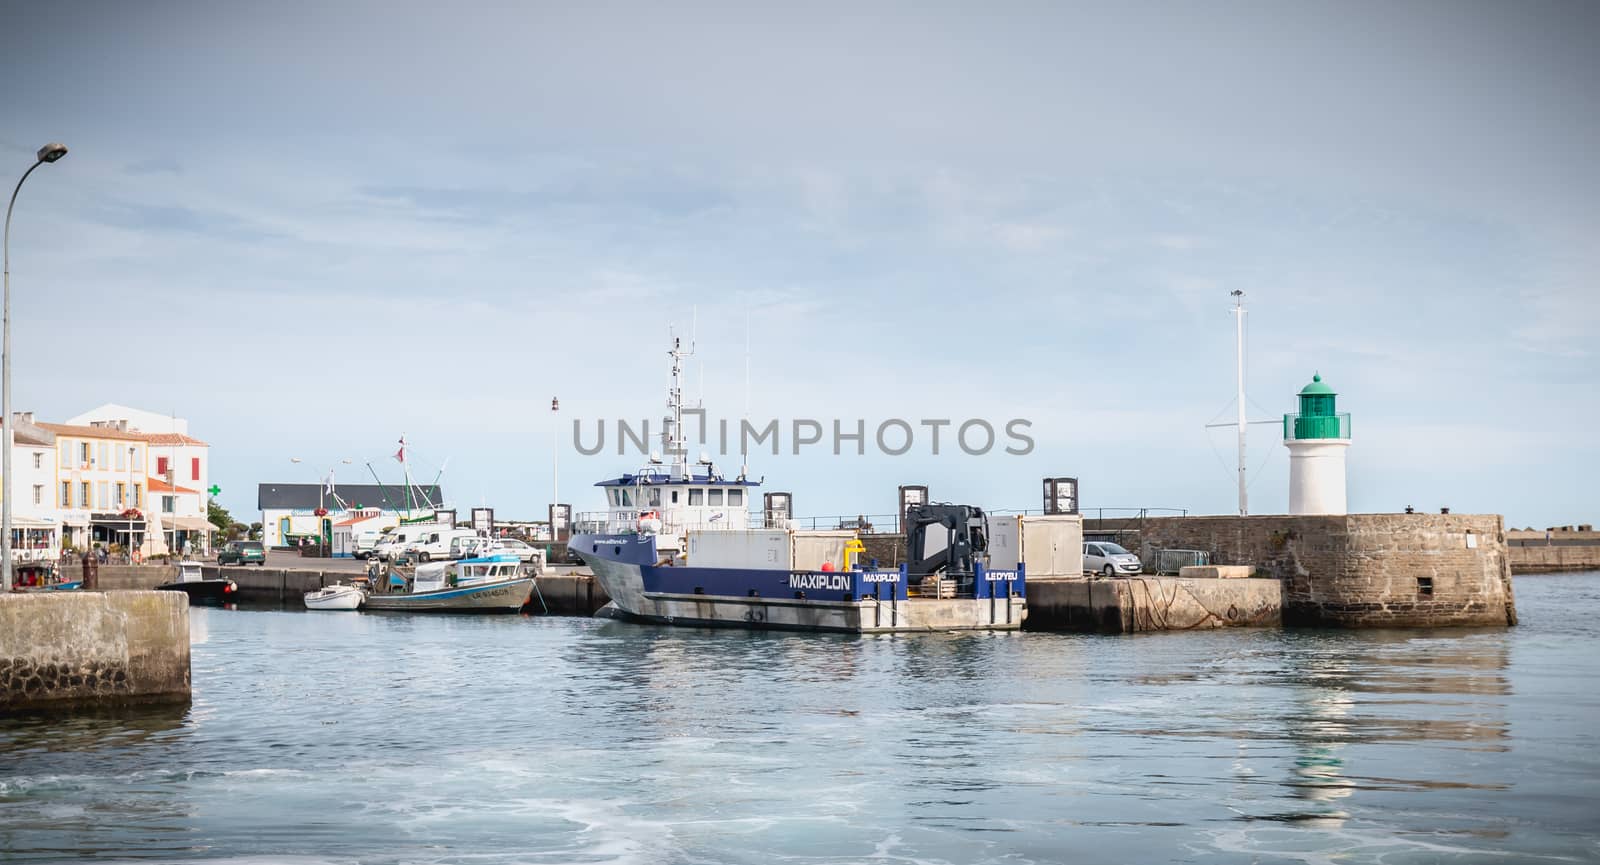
(360, 738)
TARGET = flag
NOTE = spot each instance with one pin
(328, 486)
(400, 454)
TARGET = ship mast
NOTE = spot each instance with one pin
(672, 436)
(1238, 312)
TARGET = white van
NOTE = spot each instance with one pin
(435, 543)
(395, 541)
(363, 543)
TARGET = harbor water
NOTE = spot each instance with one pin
(351, 737)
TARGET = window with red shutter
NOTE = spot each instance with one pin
(161, 466)
(194, 468)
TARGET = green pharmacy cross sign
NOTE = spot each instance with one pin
(214, 490)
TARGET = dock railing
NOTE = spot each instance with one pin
(1094, 519)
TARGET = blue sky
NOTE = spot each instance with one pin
(311, 227)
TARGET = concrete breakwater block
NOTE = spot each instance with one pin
(66, 649)
(1216, 572)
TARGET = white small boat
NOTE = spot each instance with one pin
(335, 597)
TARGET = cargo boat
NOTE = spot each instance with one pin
(679, 545)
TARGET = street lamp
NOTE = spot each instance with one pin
(48, 153)
(555, 465)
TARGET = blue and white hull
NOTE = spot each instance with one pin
(647, 586)
(499, 596)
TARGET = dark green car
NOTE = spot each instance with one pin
(242, 553)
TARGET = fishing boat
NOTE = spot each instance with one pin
(679, 545)
(39, 575)
(484, 584)
(192, 581)
(335, 597)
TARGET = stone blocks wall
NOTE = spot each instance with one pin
(1534, 559)
(1362, 570)
(121, 577)
(1138, 604)
(92, 648)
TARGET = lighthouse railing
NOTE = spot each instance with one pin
(1297, 426)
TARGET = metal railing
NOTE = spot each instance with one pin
(1299, 427)
(627, 520)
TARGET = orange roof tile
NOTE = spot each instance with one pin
(158, 485)
(173, 439)
(94, 432)
(353, 520)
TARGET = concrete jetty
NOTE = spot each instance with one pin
(68, 649)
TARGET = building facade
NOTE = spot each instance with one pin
(35, 518)
(114, 477)
(176, 467)
(100, 485)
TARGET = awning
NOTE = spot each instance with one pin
(21, 522)
(190, 524)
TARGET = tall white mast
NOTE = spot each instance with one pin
(744, 458)
(1238, 313)
(673, 435)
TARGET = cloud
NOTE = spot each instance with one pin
(155, 165)
(176, 218)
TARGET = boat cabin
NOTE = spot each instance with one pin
(190, 572)
(483, 569)
(656, 500)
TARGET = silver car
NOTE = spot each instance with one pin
(1109, 560)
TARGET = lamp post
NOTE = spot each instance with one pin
(48, 153)
(555, 465)
(127, 500)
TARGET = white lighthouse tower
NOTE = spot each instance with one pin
(1317, 438)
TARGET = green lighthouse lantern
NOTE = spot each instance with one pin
(1317, 437)
(1318, 417)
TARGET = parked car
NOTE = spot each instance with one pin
(521, 549)
(1110, 560)
(242, 553)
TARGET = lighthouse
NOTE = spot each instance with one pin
(1317, 437)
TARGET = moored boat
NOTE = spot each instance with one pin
(484, 584)
(679, 545)
(335, 597)
(193, 582)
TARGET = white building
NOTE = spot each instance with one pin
(356, 525)
(35, 517)
(289, 512)
(100, 486)
(178, 467)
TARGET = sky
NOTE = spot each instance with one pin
(310, 228)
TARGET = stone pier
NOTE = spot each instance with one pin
(1361, 570)
(71, 649)
(1138, 604)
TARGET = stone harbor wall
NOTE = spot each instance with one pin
(1362, 570)
(1537, 558)
(1138, 604)
(66, 649)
